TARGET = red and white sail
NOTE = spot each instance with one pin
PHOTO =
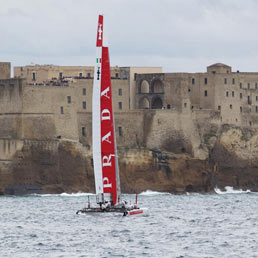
(106, 172)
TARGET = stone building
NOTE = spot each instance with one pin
(81, 78)
(166, 125)
(233, 94)
(51, 101)
(56, 101)
(5, 70)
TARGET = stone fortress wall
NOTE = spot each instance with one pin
(233, 94)
(175, 113)
(5, 70)
(55, 101)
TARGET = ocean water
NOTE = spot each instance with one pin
(190, 225)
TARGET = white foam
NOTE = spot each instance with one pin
(151, 193)
(230, 190)
(65, 194)
(76, 194)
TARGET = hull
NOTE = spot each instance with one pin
(137, 211)
(124, 211)
(90, 210)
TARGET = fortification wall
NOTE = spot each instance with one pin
(11, 108)
(44, 73)
(174, 90)
(11, 95)
(52, 110)
(5, 70)
(83, 93)
(165, 130)
(163, 150)
(130, 129)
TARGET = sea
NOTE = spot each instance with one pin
(223, 224)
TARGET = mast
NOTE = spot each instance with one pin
(106, 172)
(96, 133)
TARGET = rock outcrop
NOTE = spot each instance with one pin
(175, 155)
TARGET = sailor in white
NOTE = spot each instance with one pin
(103, 206)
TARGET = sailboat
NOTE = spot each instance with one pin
(105, 159)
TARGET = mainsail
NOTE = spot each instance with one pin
(103, 130)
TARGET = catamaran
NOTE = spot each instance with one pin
(105, 159)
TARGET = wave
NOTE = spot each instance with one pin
(76, 194)
(230, 190)
(65, 194)
(151, 193)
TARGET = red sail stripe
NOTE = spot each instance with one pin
(107, 130)
(100, 32)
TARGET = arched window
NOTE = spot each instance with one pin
(157, 103)
(157, 86)
(145, 87)
(144, 103)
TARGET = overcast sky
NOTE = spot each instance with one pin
(179, 35)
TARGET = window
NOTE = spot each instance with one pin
(185, 105)
(88, 75)
(60, 75)
(225, 81)
(256, 85)
(120, 92)
(227, 94)
(256, 108)
(116, 75)
(233, 80)
(205, 93)
(80, 75)
(120, 132)
(69, 99)
(84, 91)
(240, 85)
(84, 104)
(219, 107)
(34, 76)
(120, 105)
(193, 81)
(248, 86)
(205, 80)
(249, 100)
(240, 109)
(233, 94)
(241, 95)
(83, 131)
(168, 106)
(256, 98)
(230, 106)
(62, 110)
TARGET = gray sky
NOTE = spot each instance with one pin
(179, 35)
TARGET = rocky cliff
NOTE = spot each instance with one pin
(177, 155)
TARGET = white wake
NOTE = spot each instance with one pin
(65, 194)
(230, 190)
(151, 193)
